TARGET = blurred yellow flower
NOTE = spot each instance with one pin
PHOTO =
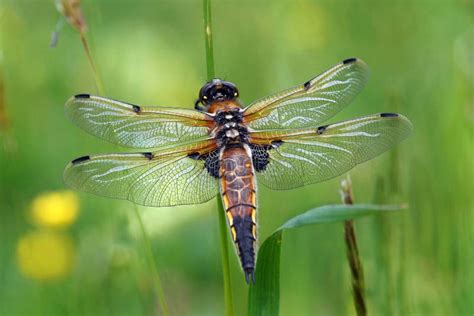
(44, 255)
(55, 209)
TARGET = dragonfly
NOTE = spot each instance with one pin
(188, 156)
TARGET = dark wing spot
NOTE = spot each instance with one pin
(277, 143)
(136, 108)
(212, 163)
(388, 115)
(307, 84)
(321, 129)
(349, 61)
(260, 156)
(148, 155)
(82, 96)
(194, 155)
(80, 159)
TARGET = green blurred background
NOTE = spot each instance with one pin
(64, 253)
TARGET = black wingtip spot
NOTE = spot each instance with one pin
(136, 108)
(389, 115)
(321, 129)
(148, 155)
(80, 159)
(82, 96)
(349, 61)
(307, 84)
(277, 143)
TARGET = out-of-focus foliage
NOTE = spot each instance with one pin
(417, 262)
(264, 295)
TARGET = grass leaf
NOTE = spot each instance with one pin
(264, 295)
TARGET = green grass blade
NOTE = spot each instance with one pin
(223, 231)
(264, 295)
(336, 213)
(208, 39)
(152, 263)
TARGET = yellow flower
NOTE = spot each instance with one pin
(44, 255)
(55, 209)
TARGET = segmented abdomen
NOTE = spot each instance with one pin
(238, 190)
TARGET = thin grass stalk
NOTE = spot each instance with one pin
(146, 241)
(152, 263)
(355, 265)
(148, 250)
(224, 245)
(73, 14)
(98, 80)
(208, 39)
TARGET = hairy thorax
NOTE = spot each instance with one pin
(229, 131)
(229, 128)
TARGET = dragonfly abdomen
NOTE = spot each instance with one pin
(238, 190)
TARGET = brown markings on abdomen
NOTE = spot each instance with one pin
(238, 190)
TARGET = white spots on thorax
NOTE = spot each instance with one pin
(232, 133)
(230, 124)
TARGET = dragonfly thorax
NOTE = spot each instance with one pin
(224, 117)
(230, 128)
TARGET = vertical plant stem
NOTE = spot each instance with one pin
(98, 81)
(228, 300)
(80, 26)
(208, 39)
(152, 263)
(357, 273)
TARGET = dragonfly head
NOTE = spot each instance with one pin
(215, 91)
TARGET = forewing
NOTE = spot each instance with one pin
(136, 126)
(306, 156)
(310, 103)
(163, 178)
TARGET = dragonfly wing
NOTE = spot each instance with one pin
(310, 103)
(136, 126)
(162, 178)
(305, 156)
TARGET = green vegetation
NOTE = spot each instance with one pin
(264, 296)
(85, 255)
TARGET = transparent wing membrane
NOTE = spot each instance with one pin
(297, 151)
(163, 178)
(307, 156)
(310, 103)
(136, 126)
